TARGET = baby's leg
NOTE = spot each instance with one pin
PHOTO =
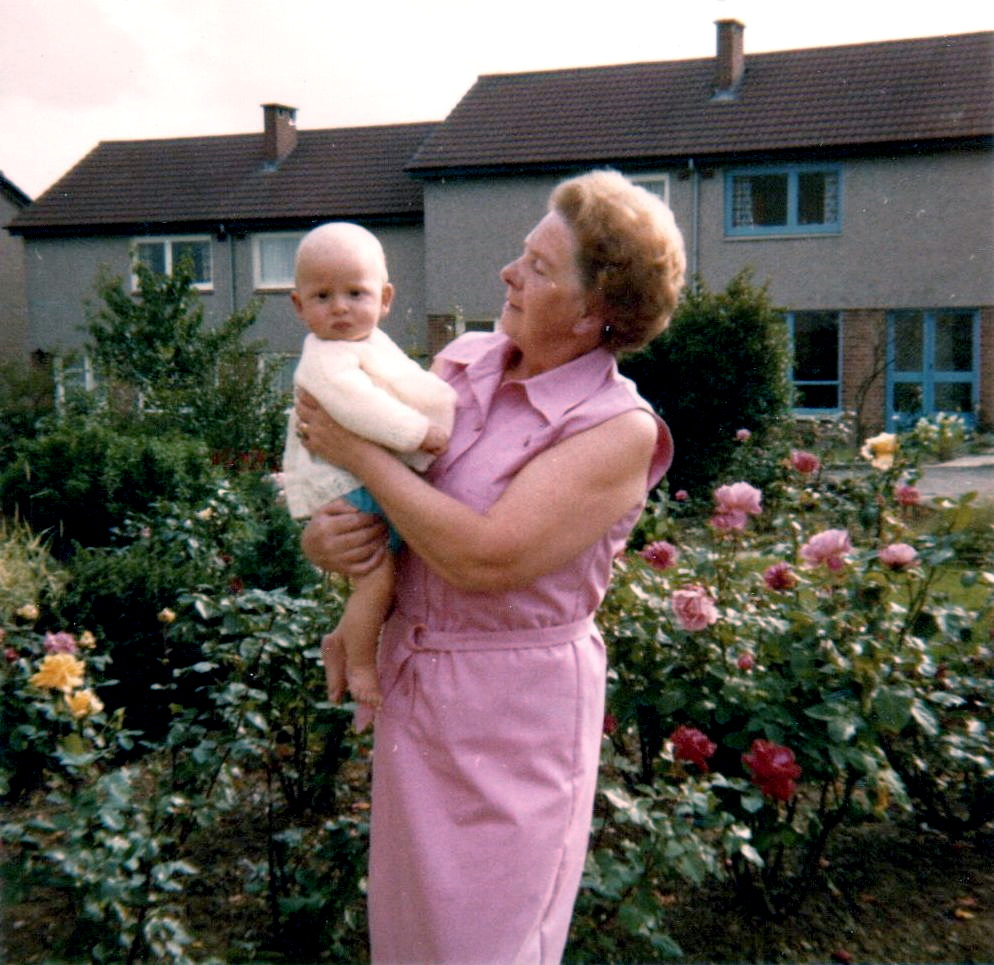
(359, 630)
(333, 659)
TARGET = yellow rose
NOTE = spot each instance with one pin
(60, 671)
(28, 612)
(880, 450)
(87, 640)
(166, 616)
(84, 702)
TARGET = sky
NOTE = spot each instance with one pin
(77, 72)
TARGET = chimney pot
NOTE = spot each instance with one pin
(731, 57)
(280, 131)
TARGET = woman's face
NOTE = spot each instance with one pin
(545, 297)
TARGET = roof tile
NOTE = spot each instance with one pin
(858, 95)
(338, 173)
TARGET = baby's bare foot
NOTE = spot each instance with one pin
(333, 658)
(364, 685)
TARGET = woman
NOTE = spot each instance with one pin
(492, 672)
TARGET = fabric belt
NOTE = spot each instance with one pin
(403, 638)
(422, 638)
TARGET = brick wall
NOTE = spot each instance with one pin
(864, 384)
(987, 367)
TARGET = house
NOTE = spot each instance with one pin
(854, 180)
(236, 206)
(13, 295)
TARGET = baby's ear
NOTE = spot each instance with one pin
(386, 299)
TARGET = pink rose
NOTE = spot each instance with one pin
(908, 495)
(828, 547)
(681, 495)
(805, 462)
(739, 497)
(743, 435)
(10, 655)
(732, 521)
(60, 642)
(780, 576)
(898, 556)
(690, 744)
(694, 607)
(746, 662)
(774, 769)
(660, 555)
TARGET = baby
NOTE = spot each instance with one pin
(365, 382)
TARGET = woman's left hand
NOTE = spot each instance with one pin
(323, 436)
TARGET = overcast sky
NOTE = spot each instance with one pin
(76, 72)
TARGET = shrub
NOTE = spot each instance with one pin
(237, 538)
(76, 483)
(721, 366)
(163, 368)
(783, 685)
(27, 396)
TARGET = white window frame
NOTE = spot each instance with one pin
(658, 184)
(168, 242)
(258, 282)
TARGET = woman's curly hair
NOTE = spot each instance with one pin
(630, 254)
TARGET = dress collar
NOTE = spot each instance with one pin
(551, 393)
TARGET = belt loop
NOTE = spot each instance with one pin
(416, 632)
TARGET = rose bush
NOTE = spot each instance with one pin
(867, 684)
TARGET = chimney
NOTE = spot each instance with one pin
(280, 132)
(731, 58)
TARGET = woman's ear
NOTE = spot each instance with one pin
(591, 322)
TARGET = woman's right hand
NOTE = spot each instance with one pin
(340, 539)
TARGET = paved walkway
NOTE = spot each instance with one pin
(965, 474)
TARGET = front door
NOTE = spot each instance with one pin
(934, 357)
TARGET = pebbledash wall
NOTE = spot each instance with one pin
(914, 235)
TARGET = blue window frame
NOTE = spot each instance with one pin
(783, 200)
(816, 361)
(933, 364)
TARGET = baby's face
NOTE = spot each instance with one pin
(342, 295)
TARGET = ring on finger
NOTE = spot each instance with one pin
(302, 431)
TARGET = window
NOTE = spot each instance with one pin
(815, 370)
(656, 183)
(283, 365)
(272, 256)
(163, 255)
(779, 201)
(934, 364)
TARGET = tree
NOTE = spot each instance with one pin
(161, 364)
(722, 365)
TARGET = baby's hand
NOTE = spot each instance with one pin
(436, 441)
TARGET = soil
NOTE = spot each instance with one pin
(888, 893)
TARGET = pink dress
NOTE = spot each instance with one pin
(487, 743)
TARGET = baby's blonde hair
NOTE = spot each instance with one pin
(331, 236)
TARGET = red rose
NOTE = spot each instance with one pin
(805, 462)
(690, 744)
(610, 724)
(660, 555)
(746, 661)
(780, 576)
(774, 769)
